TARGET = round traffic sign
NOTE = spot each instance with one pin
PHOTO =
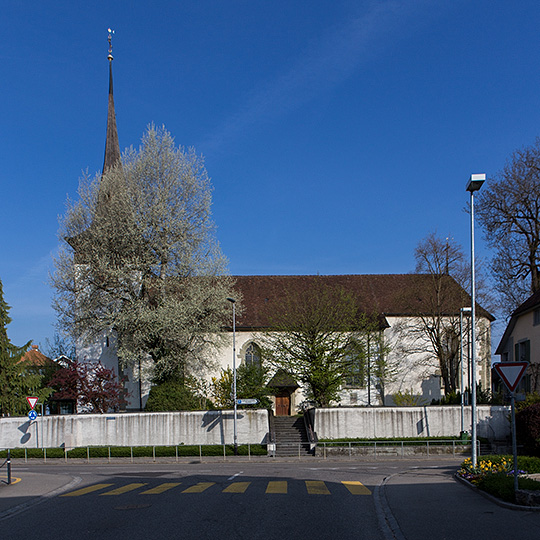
(32, 415)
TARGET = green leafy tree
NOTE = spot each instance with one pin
(140, 257)
(16, 382)
(318, 337)
(251, 383)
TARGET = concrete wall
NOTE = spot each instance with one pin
(397, 422)
(198, 427)
(216, 427)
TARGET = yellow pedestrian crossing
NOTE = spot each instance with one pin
(124, 489)
(276, 486)
(356, 488)
(312, 487)
(237, 487)
(84, 491)
(317, 487)
(161, 488)
(198, 488)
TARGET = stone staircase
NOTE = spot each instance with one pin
(291, 437)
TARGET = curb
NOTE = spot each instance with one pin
(387, 521)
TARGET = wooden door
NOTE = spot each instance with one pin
(283, 404)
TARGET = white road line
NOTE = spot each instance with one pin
(235, 475)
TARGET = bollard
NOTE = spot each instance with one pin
(9, 467)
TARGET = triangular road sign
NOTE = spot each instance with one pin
(511, 373)
(32, 401)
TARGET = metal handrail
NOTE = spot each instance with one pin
(397, 444)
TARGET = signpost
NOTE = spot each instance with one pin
(247, 401)
(32, 401)
(511, 373)
(32, 415)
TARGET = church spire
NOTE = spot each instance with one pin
(112, 146)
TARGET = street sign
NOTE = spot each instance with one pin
(511, 373)
(32, 415)
(249, 401)
(32, 401)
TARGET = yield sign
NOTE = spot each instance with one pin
(511, 373)
(32, 401)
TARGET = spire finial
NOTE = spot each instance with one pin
(111, 32)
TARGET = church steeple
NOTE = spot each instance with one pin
(112, 146)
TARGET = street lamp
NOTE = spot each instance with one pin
(473, 184)
(461, 312)
(235, 438)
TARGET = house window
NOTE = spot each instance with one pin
(522, 351)
(253, 355)
(536, 317)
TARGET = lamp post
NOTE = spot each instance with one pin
(461, 311)
(473, 184)
(235, 437)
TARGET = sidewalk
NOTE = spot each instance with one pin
(30, 488)
(430, 503)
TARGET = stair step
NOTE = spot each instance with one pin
(291, 437)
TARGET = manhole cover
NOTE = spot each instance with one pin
(132, 506)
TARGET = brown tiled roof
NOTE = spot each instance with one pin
(35, 357)
(385, 294)
(282, 379)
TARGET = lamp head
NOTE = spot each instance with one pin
(231, 300)
(475, 182)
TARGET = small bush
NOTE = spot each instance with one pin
(175, 396)
(137, 451)
(407, 398)
(502, 485)
(528, 428)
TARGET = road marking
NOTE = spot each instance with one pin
(161, 488)
(317, 487)
(356, 488)
(13, 479)
(84, 491)
(235, 475)
(277, 486)
(124, 489)
(198, 488)
(237, 487)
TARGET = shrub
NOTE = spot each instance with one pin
(175, 396)
(502, 485)
(407, 398)
(528, 428)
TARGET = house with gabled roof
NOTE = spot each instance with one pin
(521, 342)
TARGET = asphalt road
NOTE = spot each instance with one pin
(207, 501)
(270, 499)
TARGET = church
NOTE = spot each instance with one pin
(404, 304)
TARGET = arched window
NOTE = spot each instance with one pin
(356, 364)
(253, 355)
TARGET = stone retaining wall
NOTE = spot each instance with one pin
(134, 429)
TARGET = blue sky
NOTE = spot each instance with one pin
(337, 133)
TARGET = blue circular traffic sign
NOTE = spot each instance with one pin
(32, 415)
